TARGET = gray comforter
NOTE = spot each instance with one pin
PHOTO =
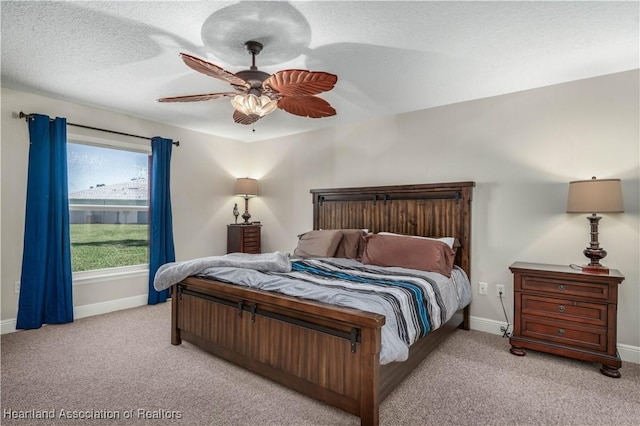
(173, 272)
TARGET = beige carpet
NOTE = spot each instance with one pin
(122, 365)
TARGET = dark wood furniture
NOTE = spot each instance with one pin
(327, 352)
(243, 238)
(567, 312)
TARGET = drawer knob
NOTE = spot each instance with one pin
(560, 287)
(561, 332)
(561, 308)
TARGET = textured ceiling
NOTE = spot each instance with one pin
(390, 57)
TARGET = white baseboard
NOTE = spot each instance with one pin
(627, 353)
(109, 306)
(9, 326)
(487, 325)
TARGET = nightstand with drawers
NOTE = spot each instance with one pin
(243, 238)
(563, 311)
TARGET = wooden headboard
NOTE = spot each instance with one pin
(428, 210)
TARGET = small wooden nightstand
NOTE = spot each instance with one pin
(243, 238)
(563, 311)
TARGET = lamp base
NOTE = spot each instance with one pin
(594, 251)
(595, 269)
(246, 215)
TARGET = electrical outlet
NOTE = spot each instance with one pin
(482, 288)
(17, 287)
(499, 289)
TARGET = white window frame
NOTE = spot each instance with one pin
(95, 276)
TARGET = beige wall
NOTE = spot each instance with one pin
(521, 150)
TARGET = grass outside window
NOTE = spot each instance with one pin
(100, 246)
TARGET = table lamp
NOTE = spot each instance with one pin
(246, 187)
(595, 196)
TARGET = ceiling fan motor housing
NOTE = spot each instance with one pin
(253, 77)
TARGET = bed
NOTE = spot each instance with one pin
(330, 353)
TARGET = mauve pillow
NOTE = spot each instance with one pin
(451, 242)
(349, 246)
(414, 253)
(318, 243)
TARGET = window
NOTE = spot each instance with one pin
(108, 206)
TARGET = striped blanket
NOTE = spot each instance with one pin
(413, 302)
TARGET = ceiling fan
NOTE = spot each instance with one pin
(258, 93)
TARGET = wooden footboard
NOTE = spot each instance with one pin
(326, 352)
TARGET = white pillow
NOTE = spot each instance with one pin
(447, 240)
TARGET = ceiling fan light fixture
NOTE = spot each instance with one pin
(250, 104)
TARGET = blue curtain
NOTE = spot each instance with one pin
(45, 287)
(161, 248)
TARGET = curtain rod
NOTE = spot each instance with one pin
(30, 116)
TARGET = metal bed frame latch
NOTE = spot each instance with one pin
(240, 307)
(254, 308)
(354, 339)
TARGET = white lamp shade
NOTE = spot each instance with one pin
(595, 196)
(246, 186)
(251, 104)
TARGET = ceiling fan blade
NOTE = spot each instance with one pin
(306, 106)
(300, 82)
(241, 118)
(213, 70)
(196, 98)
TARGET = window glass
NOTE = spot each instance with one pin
(109, 207)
